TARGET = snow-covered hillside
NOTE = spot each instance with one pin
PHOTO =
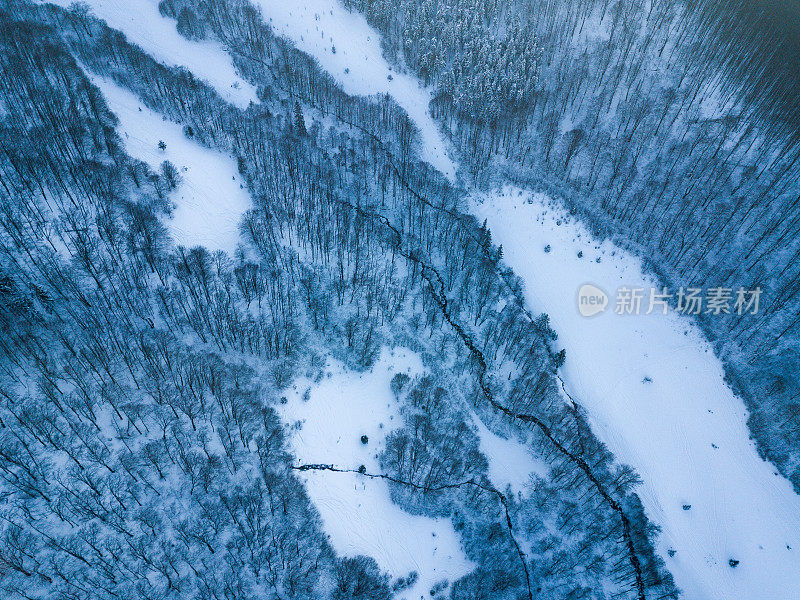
(350, 51)
(655, 394)
(326, 421)
(209, 200)
(144, 26)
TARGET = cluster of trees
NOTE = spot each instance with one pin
(484, 58)
(674, 125)
(537, 541)
(139, 453)
(133, 464)
(436, 447)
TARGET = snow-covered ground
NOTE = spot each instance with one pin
(143, 25)
(655, 394)
(357, 512)
(209, 201)
(346, 46)
(510, 460)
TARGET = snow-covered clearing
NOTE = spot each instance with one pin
(346, 47)
(209, 200)
(510, 460)
(357, 512)
(143, 25)
(655, 394)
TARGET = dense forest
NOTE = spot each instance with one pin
(672, 126)
(140, 451)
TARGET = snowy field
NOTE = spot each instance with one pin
(655, 394)
(143, 25)
(350, 51)
(357, 512)
(511, 463)
(209, 200)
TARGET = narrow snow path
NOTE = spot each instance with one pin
(143, 25)
(357, 512)
(655, 394)
(209, 200)
(347, 48)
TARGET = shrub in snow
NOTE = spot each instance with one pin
(403, 583)
(170, 174)
(360, 578)
(399, 381)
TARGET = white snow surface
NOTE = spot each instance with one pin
(317, 27)
(664, 427)
(143, 25)
(511, 463)
(209, 202)
(357, 512)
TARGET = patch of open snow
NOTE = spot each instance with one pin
(655, 394)
(143, 25)
(347, 48)
(510, 461)
(209, 199)
(357, 512)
